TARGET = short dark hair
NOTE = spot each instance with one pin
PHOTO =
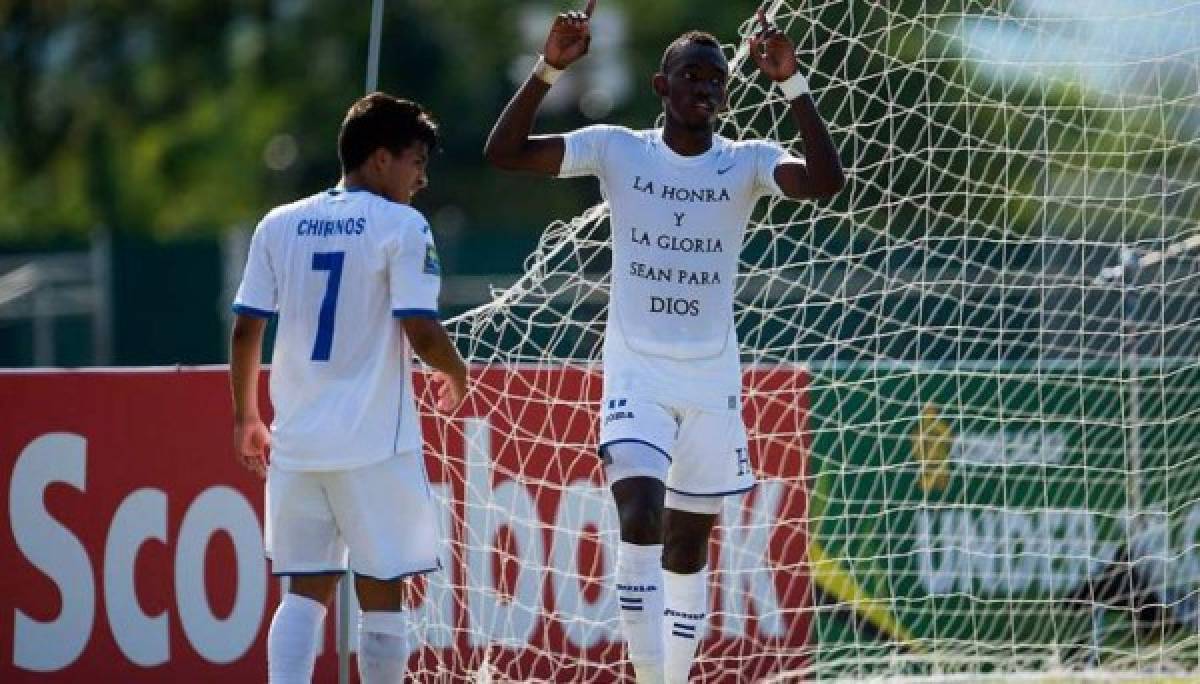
(701, 37)
(382, 120)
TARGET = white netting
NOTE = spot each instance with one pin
(979, 447)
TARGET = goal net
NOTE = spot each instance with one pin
(971, 379)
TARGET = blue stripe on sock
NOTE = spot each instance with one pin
(637, 608)
(685, 636)
(680, 625)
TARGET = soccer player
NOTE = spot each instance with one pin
(671, 435)
(354, 277)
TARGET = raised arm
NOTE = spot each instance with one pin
(821, 175)
(512, 145)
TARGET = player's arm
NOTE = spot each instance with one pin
(821, 173)
(433, 346)
(251, 438)
(512, 145)
(414, 275)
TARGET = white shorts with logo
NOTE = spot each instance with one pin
(703, 451)
(377, 520)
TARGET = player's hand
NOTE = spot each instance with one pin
(772, 50)
(451, 389)
(569, 38)
(251, 441)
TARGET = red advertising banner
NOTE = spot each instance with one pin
(134, 548)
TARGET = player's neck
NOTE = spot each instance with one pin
(687, 142)
(357, 181)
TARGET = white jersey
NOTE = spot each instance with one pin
(339, 267)
(677, 228)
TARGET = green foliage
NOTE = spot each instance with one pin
(156, 118)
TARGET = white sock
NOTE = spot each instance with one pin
(685, 607)
(648, 673)
(640, 602)
(382, 646)
(293, 639)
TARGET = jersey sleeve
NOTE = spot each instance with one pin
(414, 271)
(258, 293)
(584, 151)
(767, 156)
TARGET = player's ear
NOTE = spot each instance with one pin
(379, 158)
(659, 83)
(370, 165)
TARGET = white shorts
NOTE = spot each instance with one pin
(703, 451)
(377, 520)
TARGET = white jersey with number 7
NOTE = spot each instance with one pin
(339, 268)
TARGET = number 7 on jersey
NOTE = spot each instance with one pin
(331, 262)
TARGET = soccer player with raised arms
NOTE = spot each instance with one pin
(671, 433)
(354, 277)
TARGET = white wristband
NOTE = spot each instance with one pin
(795, 86)
(546, 73)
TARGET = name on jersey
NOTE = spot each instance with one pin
(329, 227)
(680, 193)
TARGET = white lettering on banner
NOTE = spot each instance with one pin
(141, 516)
(939, 578)
(496, 620)
(510, 621)
(52, 549)
(438, 606)
(747, 572)
(986, 553)
(1034, 447)
(1020, 550)
(586, 623)
(508, 618)
(58, 554)
(994, 552)
(220, 509)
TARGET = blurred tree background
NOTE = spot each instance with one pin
(159, 128)
(182, 118)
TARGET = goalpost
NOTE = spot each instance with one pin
(972, 380)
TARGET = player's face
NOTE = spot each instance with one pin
(695, 85)
(404, 174)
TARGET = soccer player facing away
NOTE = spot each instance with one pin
(354, 277)
(671, 433)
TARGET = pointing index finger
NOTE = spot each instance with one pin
(591, 7)
(762, 19)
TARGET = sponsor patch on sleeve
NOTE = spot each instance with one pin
(432, 265)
